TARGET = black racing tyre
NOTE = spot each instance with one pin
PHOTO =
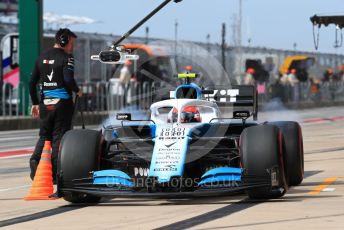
(79, 155)
(293, 150)
(261, 149)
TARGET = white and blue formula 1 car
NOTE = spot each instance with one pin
(185, 149)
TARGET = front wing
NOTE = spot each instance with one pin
(247, 183)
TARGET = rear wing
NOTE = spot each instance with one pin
(236, 96)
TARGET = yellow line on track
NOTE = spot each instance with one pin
(324, 185)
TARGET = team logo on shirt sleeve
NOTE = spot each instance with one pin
(49, 62)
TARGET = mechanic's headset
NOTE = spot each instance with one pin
(63, 39)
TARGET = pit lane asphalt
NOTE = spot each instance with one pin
(315, 204)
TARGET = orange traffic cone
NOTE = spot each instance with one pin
(42, 186)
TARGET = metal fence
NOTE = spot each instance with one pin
(305, 92)
(113, 95)
(10, 99)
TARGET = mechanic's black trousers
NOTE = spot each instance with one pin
(55, 121)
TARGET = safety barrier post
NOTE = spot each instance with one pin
(3, 99)
(18, 100)
(143, 95)
(117, 97)
(23, 100)
(108, 96)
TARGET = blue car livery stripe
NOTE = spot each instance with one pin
(112, 177)
(222, 174)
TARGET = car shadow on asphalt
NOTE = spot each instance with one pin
(312, 173)
(233, 204)
(283, 221)
(159, 202)
(39, 215)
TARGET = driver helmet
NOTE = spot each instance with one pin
(190, 114)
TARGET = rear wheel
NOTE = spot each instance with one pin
(293, 150)
(261, 149)
(79, 155)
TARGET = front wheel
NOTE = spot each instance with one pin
(80, 152)
(261, 149)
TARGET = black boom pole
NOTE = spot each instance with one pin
(156, 10)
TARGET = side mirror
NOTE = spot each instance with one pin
(123, 116)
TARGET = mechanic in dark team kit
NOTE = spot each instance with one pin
(54, 70)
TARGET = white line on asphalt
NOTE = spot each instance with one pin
(14, 188)
(26, 144)
(20, 131)
(16, 138)
(17, 156)
(17, 149)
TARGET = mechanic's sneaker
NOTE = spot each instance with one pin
(33, 167)
(55, 195)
